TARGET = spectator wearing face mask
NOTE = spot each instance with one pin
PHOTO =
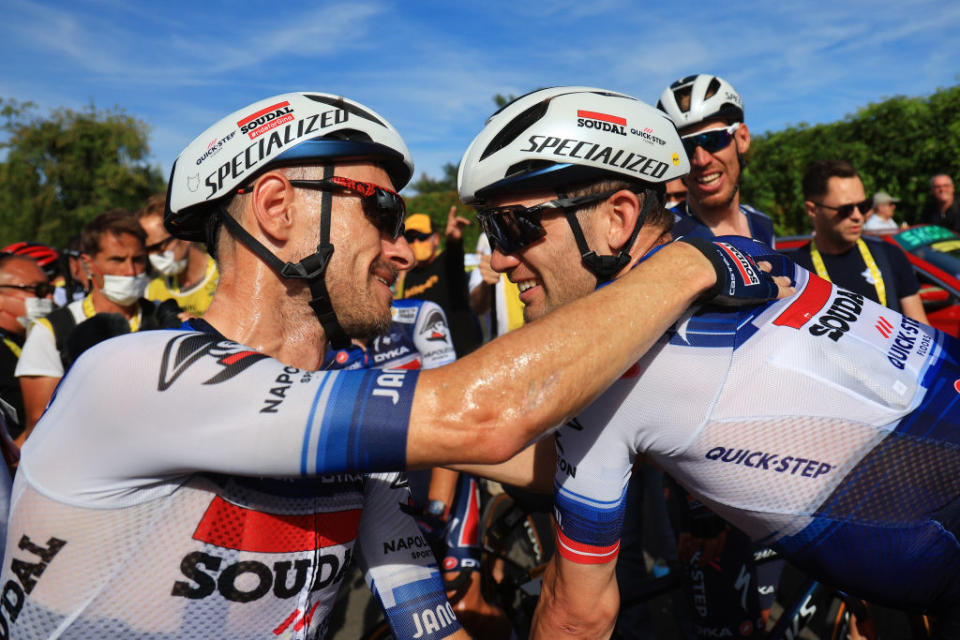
(25, 296)
(112, 248)
(185, 272)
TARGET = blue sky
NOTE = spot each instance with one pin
(431, 68)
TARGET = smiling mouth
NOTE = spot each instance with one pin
(709, 178)
(525, 285)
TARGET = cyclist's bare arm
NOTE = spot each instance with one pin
(489, 405)
(531, 469)
(577, 600)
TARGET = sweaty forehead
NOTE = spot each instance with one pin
(525, 199)
(22, 271)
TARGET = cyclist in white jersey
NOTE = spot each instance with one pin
(824, 425)
(209, 482)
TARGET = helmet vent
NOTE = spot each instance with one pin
(682, 96)
(340, 103)
(712, 88)
(516, 126)
(527, 166)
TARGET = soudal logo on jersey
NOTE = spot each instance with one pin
(185, 350)
(648, 136)
(586, 150)
(28, 562)
(834, 322)
(601, 122)
(256, 124)
(843, 312)
(214, 147)
(435, 327)
(790, 465)
(267, 146)
(908, 338)
(740, 265)
(235, 527)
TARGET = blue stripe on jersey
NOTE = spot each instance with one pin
(589, 521)
(364, 421)
(421, 610)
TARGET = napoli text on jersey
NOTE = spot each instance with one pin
(217, 493)
(823, 424)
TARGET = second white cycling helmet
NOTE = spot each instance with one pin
(566, 135)
(697, 98)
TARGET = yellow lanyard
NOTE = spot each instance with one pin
(89, 312)
(13, 346)
(821, 268)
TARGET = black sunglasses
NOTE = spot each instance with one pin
(415, 236)
(711, 141)
(513, 227)
(41, 290)
(384, 208)
(157, 247)
(846, 210)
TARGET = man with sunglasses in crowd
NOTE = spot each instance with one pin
(824, 425)
(836, 202)
(25, 296)
(213, 481)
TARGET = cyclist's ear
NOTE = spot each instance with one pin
(272, 201)
(742, 138)
(620, 216)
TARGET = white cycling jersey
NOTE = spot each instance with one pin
(184, 486)
(823, 424)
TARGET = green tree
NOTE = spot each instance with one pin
(896, 145)
(448, 182)
(62, 169)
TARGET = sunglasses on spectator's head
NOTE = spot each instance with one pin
(41, 289)
(711, 141)
(846, 210)
(383, 207)
(416, 236)
(514, 227)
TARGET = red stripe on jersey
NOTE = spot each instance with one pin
(236, 357)
(813, 298)
(737, 260)
(606, 117)
(470, 531)
(581, 553)
(233, 527)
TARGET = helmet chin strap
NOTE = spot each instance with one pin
(312, 268)
(606, 267)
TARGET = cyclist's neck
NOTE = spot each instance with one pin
(727, 220)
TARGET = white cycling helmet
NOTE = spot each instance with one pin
(288, 129)
(566, 135)
(561, 137)
(693, 99)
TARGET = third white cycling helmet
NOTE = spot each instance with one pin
(694, 99)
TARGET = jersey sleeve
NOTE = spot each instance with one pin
(398, 563)
(590, 489)
(431, 336)
(137, 410)
(39, 356)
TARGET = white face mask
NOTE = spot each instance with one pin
(124, 290)
(166, 264)
(35, 308)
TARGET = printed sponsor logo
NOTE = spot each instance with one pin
(648, 136)
(388, 383)
(743, 265)
(256, 124)
(566, 467)
(214, 148)
(905, 342)
(435, 328)
(267, 146)
(396, 352)
(675, 159)
(790, 465)
(698, 585)
(406, 315)
(450, 563)
(342, 357)
(28, 571)
(278, 393)
(250, 580)
(185, 350)
(594, 152)
(884, 326)
(703, 631)
(405, 544)
(844, 311)
(601, 122)
(431, 620)
(193, 182)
